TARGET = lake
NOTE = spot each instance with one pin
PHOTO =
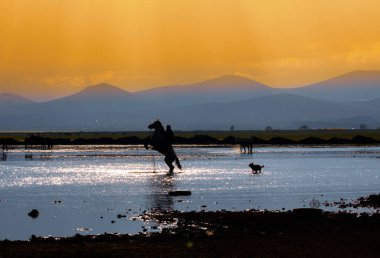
(83, 189)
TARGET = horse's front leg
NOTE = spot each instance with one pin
(147, 142)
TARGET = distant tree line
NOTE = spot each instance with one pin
(48, 143)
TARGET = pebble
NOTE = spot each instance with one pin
(34, 213)
(179, 193)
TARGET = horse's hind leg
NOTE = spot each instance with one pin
(169, 162)
(178, 163)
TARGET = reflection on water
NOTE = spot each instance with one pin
(3, 156)
(157, 197)
(96, 183)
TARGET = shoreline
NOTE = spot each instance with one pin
(244, 138)
(301, 232)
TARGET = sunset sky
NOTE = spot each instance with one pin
(50, 48)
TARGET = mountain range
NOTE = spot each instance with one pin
(345, 101)
(10, 99)
(353, 86)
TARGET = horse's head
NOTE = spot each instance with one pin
(156, 125)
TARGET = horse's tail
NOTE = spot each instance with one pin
(177, 163)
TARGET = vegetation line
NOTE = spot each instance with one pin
(291, 137)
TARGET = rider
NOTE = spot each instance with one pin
(161, 141)
(163, 138)
(169, 136)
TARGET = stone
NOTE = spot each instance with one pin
(34, 213)
(179, 193)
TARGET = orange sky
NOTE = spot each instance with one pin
(53, 47)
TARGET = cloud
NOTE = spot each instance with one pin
(364, 55)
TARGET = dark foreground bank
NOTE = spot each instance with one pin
(300, 233)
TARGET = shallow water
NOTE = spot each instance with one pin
(82, 189)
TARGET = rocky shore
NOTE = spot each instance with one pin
(297, 233)
(371, 201)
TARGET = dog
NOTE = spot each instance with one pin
(256, 169)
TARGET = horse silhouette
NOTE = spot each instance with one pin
(161, 141)
(246, 145)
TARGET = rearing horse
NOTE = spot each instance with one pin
(160, 143)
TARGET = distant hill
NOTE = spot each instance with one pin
(353, 86)
(96, 107)
(100, 92)
(96, 98)
(226, 82)
(222, 89)
(7, 99)
(214, 104)
(372, 105)
(278, 111)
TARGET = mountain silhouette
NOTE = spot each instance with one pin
(278, 111)
(13, 99)
(352, 86)
(100, 92)
(94, 108)
(98, 99)
(212, 104)
(228, 81)
(221, 89)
